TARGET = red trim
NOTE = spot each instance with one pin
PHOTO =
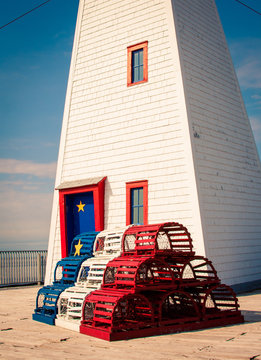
(98, 199)
(132, 185)
(130, 49)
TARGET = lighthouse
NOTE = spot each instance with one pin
(155, 130)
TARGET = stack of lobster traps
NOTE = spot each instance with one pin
(107, 246)
(157, 286)
(65, 275)
(139, 281)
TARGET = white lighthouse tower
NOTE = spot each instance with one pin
(155, 130)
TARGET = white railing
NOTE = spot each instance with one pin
(22, 267)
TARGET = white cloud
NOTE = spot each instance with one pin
(256, 127)
(256, 97)
(13, 166)
(21, 144)
(246, 54)
(249, 73)
(25, 206)
(25, 220)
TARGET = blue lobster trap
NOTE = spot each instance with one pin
(65, 275)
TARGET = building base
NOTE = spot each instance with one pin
(247, 286)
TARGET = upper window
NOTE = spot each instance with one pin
(137, 63)
(137, 202)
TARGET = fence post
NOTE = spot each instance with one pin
(39, 268)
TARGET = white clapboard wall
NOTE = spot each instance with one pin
(186, 130)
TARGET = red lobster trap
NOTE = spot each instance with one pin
(158, 272)
(148, 240)
(157, 286)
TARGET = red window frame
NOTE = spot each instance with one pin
(130, 49)
(98, 199)
(133, 185)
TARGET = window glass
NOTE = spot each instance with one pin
(141, 196)
(137, 206)
(141, 217)
(135, 215)
(135, 197)
(137, 65)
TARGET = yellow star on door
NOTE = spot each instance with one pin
(78, 248)
(80, 207)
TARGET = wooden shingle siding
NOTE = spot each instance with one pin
(185, 131)
(128, 134)
(228, 169)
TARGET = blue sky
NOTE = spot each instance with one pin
(34, 65)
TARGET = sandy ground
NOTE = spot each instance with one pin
(23, 338)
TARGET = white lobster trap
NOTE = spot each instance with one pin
(107, 246)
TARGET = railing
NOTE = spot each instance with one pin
(22, 267)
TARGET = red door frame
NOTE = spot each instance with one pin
(98, 199)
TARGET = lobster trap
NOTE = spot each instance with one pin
(108, 314)
(107, 245)
(158, 272)
(149, 240)
(65, 275)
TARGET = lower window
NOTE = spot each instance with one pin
(137, 202)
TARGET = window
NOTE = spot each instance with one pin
(137, 205)
(137, 64)
(137, 202)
